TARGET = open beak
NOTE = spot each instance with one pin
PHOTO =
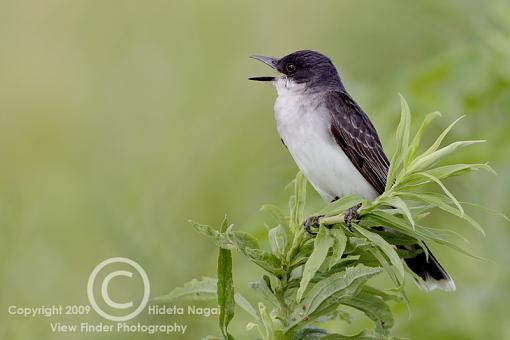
(271, 62)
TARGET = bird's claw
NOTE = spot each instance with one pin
(351, 214)
(310, 222)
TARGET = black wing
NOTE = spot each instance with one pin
(357, 137)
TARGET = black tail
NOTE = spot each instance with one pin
(432, 274)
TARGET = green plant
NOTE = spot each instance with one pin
(310, 277)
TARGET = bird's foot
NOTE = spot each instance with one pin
(351, 214)
(311, 222)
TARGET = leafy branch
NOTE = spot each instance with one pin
(309, 278)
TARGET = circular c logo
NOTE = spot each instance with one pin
(104, 289)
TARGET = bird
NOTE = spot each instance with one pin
(334, 143)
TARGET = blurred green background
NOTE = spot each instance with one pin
(121, 120)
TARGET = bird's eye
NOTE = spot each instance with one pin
(290, 67)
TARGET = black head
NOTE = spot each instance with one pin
(304, 67)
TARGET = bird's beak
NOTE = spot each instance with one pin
(271, 62)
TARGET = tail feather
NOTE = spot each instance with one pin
(431, 274)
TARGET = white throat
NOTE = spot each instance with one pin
(303, 122)
(285, 86)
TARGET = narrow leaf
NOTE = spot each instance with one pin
(278, 240)
(365, 335)
(402, 142)
(323, 241)
(225, 288)
(374, 308)
(266, 321)
(442, 202)
(446, 191)
(458, 169)
(388, 268)
(398, 203)
(264, 292)
(201, 289)
(276, 213)
(427, 160)
(439, 139)
(488, 210)
(246, 305)
(415, 144)
(241, 240)
(340, 242)
(378, 218)
(338, 206)
(298, 202)
(265, 260)
(385, 247)
(219, 238)
(326, 294)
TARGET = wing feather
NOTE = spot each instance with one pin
(355, 134)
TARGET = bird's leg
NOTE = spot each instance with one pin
(310, 222)
(313, 221)
(351, 214)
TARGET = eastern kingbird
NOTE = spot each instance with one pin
(333, 141)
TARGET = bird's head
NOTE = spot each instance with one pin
(301, 71)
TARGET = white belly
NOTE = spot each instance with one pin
(304, 128)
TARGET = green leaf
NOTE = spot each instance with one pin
(323, 241)
(241, 240)
(380, 218)
(415, 143)
(302, 256)
(309, 333)
(388, 268)
(402, 142)
(355, 243)
(457, 169)
(405, 124)
(338, 206)
(382, 294)
(276, 213)
(340, 242)
(266, 321)
(326, 294)
(265, 260)
(446, 191)
(414, 180)
(394, 238)
(246, 305)
(263, 291)
(248, 246)
(374, 308)
(225, 288)
(398, 203)
(219, 238)
(488, 210)
(435, 199)
(365, 335)
(251, 325)
(298, 202)
(442, 202)
(439, 139)
(474, 223)
(386, 248)
(427, 160)
(203, 289)
(278, 240)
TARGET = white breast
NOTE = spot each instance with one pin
(303, 124)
